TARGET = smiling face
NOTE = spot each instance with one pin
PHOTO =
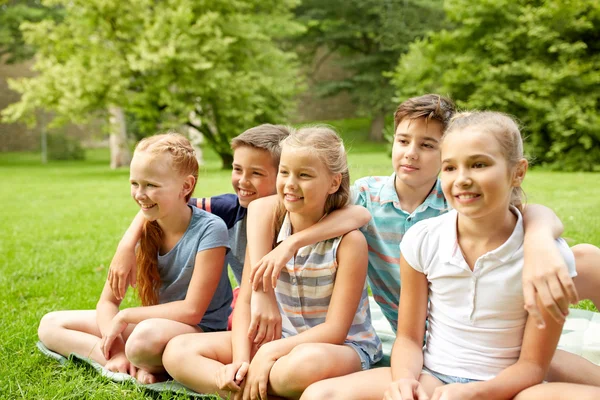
(416, 153)
(155, 186)
(304, 182)
(253, 175)
(476, 177)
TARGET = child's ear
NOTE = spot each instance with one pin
(188, 185)
(520, 171)
(335, 183)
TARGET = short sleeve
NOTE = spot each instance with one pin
(413, 245)
(359, 193)
(214, 235)
(568, 256)
(225, 206)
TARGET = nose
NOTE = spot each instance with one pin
(139, 194)
(244, 180)
(412, 152)
(290, 183)
(464, 178)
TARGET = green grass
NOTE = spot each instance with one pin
(60, 223)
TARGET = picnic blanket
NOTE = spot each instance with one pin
(581, 335)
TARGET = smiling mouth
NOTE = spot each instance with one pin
(291, 197)
(246, 193)
(467, 196)
(146, 206)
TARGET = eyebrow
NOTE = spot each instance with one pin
(474, 156)
(251, 167)
(430, 138)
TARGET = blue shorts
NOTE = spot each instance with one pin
(447, 379)
(365, 360)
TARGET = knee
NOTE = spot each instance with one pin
(587, 256)
(322, 390)
(48, 326)
(177, 349)
(145, 340)
(301, 368)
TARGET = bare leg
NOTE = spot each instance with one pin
(67, 332)
(367, 385)
(571, 368)
(325, 361)
(559, 391)
(429, 383)
(195, 359)
(146, 344)
(587, 281)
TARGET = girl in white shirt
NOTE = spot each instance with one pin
(480, 343)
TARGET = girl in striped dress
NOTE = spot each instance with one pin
(321, 293)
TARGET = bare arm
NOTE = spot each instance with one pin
(266, 270)
(241, 344)
(407, 353)
(205, 279)
(544, 271)
(123, 269)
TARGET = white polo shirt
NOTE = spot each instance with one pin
(476, 318)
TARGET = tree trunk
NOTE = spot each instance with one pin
(377, 125)
(120, 156)
(226, 160)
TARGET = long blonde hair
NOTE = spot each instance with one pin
(325, 143)
(506, 131)
(183, 160)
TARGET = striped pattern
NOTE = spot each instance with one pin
(384, 234)
(304, 292)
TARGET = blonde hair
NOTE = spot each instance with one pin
(264, 137)
(325, 143)
(183, 160)
(506, 131)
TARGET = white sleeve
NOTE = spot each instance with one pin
(413, 245)
(567, 254)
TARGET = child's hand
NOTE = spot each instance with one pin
(120, 363)
(267, 270)
(258, 375)
(230, 376)
(265, 319)
(117, 327)
(405, 389)
(545, 274)
(457, 391)
(122, 271)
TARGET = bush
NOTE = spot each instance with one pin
(538, 61)
(61, 147)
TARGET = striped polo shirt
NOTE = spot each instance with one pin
(304, 292)
(384, 233)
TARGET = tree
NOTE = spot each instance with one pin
(368, 36)
(168, 63)
(12, 14)
(537, 60)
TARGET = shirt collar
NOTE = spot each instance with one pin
(286, 229)
(450, 250)
(435, 199)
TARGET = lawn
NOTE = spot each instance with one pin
(60, 223)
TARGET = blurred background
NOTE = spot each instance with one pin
(82, 74)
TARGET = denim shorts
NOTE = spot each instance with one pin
(447, 379)
(365, 360)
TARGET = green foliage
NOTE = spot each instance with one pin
(61, 147)
(214, 65)
(537, 60)
(12, 14)
(368, 36)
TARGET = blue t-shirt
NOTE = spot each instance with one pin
(204, 232)
(228, 208)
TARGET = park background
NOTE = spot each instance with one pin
(81, 81)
